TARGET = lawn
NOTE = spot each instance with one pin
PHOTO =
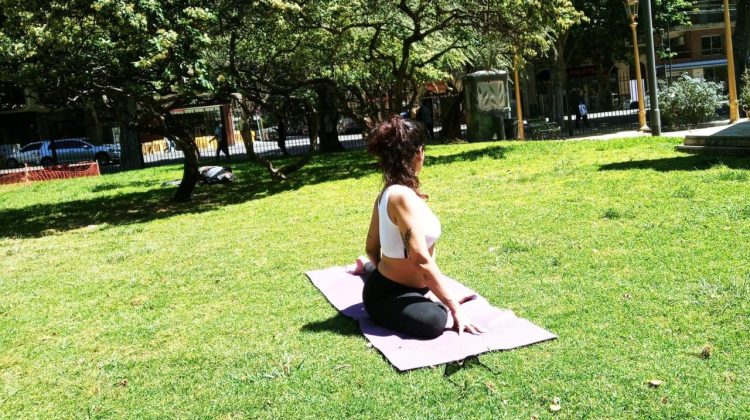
(115, 303)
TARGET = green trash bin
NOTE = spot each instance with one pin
(487, 104)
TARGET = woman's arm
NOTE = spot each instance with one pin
(402, 209)
(372, 244)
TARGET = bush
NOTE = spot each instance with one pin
(690, 101)
(744, 96)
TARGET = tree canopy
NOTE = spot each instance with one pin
(144, 58)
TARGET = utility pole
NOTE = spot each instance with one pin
(734, 113)
(631, 8)
(519, 108)
(651, 60)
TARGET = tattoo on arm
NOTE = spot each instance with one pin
(405, 237)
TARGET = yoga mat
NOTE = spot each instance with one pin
(505, 330)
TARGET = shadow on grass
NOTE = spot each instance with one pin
(492, 152)
(451, 368)
(338, 324)
(153, 204)
(117, 185)
(680, 163)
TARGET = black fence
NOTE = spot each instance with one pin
(219, 139)
(217, 132)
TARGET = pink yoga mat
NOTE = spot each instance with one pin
(505, 330)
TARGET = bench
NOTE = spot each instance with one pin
(541, 129)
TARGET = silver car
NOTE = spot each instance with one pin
(68, 151)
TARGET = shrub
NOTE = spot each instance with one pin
(690, 101)
(744, 96)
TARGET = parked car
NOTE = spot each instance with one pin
(5, 151)
(68, 151)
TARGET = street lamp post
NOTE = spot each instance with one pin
(631, 8)
(519, 108)
(653, 87)
(734, 113)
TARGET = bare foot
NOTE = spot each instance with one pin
(467, 298)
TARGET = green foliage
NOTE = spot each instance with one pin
(744, 96)
(66, 52)
(689, 101)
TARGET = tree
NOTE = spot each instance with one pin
(604, 20)
(138, 59)
(741, 38)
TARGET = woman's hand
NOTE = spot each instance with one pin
(462, 322)
(361, 266)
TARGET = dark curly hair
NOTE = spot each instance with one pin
(395, 142)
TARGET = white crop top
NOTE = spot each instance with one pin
(391, 243)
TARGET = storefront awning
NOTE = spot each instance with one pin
(696, 64)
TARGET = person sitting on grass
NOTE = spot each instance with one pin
(401, 240)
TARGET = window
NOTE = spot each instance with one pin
(711, 45)
(31, 147)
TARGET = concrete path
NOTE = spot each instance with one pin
(722, 127)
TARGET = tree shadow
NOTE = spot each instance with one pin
(338, 324)
(155, 203)
(451, 368)
(492, 152)
(680, 163)
(115, 185)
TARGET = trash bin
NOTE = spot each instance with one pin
(511, 128)
(487, 104)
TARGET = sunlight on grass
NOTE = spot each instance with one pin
(116, 303)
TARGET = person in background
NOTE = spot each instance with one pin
(424, 115)
(582, 113)
(222, 144)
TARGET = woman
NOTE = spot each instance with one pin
(401, 242)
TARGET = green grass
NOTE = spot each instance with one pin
(115, 303)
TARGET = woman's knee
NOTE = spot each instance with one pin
(428, 321)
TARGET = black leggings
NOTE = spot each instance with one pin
(402, 308)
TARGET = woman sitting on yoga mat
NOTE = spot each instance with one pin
(401, 242)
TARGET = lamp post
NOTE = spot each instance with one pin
(631, 8)
(519, 108)
(734, 113)
(653, 87)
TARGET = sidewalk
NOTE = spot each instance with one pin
(721, 127)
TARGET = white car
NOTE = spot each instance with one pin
(68, 151)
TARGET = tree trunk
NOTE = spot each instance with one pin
(603, 84)
(247, 137)
(185, 140)
(190, 171)
(452, 118)
(328, 118)
(558, 87)
(131, 153)
(282, 135)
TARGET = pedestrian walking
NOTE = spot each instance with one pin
(222, 145)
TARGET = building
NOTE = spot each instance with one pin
(697, 49)
(22, 120)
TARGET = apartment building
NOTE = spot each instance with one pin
(698, 49)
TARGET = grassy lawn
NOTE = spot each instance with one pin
(114, 303)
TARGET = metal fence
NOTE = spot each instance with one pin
(216, 131)
(218, 136)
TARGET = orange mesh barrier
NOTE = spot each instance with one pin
(75, 170)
